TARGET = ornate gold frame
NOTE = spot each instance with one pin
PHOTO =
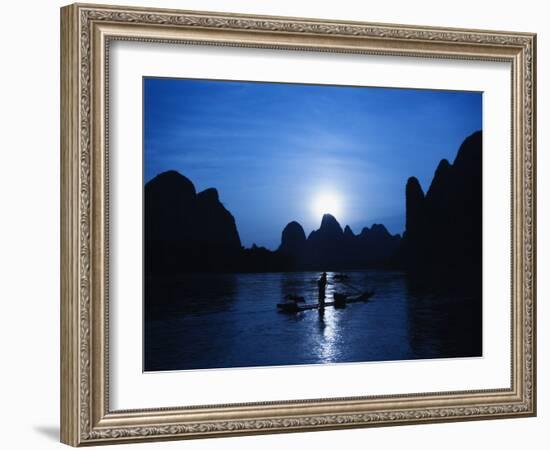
(86, 31)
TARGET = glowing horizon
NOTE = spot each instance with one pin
(327, 202)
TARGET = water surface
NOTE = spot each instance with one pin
(204, 321)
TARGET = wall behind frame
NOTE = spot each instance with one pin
(29, 225)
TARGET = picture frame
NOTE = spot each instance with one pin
(87, 33)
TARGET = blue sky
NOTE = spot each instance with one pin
(273, 149)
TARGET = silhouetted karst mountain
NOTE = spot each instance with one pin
(216, 229)
(414, 207)
(442, 177)
(443, 228)
(209, 196)
(184, 230)
(291, 252)
(375, 245)
(330, 228)
(174, 182)
(328, 233)
(261, 259)
(324, 246)
(293, 239)
(167, 197)
(378, 231)
(330, 247)
(348, 233)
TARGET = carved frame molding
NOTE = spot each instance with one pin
(86, 32)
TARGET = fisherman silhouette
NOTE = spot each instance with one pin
(322, 284)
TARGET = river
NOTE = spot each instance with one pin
(206, 321)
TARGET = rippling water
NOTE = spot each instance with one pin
(231, 320)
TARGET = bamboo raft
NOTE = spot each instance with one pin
(340, 301)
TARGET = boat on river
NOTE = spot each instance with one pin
(340, 301)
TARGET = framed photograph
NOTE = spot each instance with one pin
(275, 224)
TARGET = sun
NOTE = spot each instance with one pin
(327, 203)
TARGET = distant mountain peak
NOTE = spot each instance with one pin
(376, 231)
(210, 195)
(172, 180)
(328, 216)
(469, 153)
(293, 238)
(443, 165)
(186, 231)
(413, 187)
(329, 222)
(444, 226)
(379, 229)
(348, 232)
(295, 228)
(442, 177)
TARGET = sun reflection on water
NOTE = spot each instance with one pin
(329, 328)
